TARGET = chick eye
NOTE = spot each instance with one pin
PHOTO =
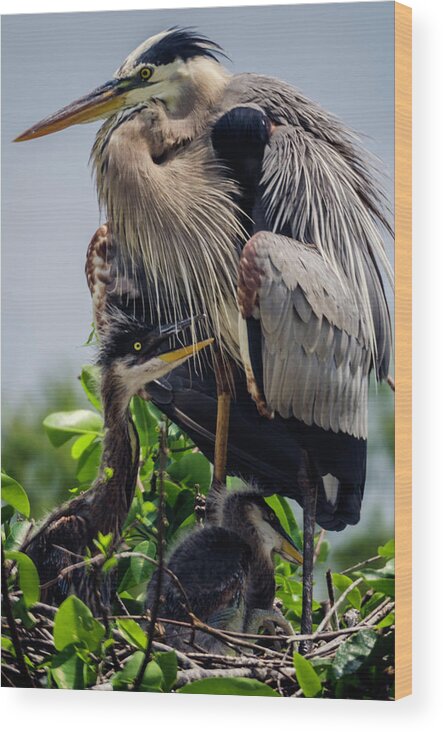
(145, 73)
(137, 346)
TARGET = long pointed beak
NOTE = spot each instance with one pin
(288, 549)
(102, 102)
(185, 352)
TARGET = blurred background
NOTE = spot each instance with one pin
(341, 56)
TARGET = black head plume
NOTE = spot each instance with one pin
(184, 43)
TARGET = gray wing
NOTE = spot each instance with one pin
(314, 355)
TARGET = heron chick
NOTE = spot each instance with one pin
(131, 355)
(225, 574)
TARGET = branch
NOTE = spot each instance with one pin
(331, 595)
(333, 609)
(163, 460)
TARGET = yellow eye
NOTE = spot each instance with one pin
(145, 73)
(137, 346)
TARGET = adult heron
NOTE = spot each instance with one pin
(131, 355)
(190, 163)
(225, 573)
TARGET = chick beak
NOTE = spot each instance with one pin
(102, 102)
(185, 352)
(288, 549)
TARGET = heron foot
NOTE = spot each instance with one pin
(268, 620)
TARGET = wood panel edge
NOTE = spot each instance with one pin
(403, 350)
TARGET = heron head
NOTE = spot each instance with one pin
(170, 68)
(133, 354)
(248, 514)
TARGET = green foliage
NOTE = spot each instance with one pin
(152, 678)
(233, 687)
(27, 576)
(61, 426)
(307, 677)
(360, 666)
(342, 582)
(75, 625)
(15, 495)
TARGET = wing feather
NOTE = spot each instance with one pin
(316, 351)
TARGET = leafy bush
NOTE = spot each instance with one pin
(353, 645)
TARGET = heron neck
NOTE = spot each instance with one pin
(172, 214)
(115, 485)
(261, 581)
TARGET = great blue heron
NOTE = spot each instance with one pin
(131, 355)
(184, 145)
(225, 573)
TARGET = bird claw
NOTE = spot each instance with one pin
(268, 620)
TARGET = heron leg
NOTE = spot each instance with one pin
(309, 510)
(222, 374)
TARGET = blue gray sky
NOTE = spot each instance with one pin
(341, 55)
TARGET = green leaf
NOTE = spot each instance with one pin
(7, 514)
(132, 633)
(17, 533)
(67, 669)
(61, 426)
(324, 551)
(168, 664)
(15, 495)
(81, 443)
(192, 469)
(285, 515)
(234, 687)
(152, 678)
(387, 550)
(372, 603)
(146, 422)
(342, 582)
(353, 652)
(307, 677)
(89, 462)
(90, 381)
(74, 623)
(172, 491)
(381, 584)
(387, 621)
(381, 580)
(7, 645)
(29, 580)
(139, 570)
(22, 613)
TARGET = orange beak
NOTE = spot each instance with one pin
(101, 103)
(185, 352)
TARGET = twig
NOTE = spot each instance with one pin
(331, 595)
(361, 564)
(24, 671)
(335, 606)
(390, 382)
(261, 674)
(380, 612)
(163, 460)
(320, 540)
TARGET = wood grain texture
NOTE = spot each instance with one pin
(403, 335)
